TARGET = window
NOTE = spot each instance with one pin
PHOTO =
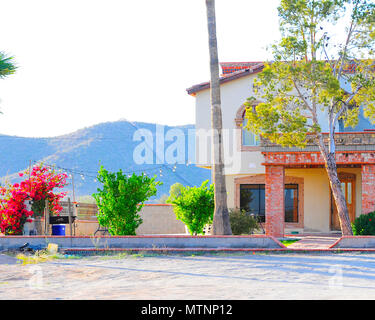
(248, 138)
(252, 200)
(291, 202)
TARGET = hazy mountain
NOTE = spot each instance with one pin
(110, 144)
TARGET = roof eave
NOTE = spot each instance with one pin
(236, 75)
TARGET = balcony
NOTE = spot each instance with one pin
(345, 141)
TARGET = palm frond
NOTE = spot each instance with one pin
(7, 66)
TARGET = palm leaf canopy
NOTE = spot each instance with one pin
(7, 66)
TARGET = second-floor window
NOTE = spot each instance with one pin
(247, 141)
(248, 138)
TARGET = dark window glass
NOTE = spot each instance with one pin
(291, 202)
(252, 200)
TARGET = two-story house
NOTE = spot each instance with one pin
(287, 188)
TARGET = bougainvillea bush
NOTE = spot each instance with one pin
(38, 186)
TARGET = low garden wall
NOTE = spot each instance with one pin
(359, 242)
(143, 242)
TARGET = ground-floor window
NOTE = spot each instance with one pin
(253, 201)
(291, 202)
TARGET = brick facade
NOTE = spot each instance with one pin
(368, 188)
(276, 162)
(261, 179)
(275, 206)
(295, 159)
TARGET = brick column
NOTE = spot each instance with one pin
(275, 206)
(368, 188)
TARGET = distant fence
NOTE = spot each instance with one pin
(157, 219)
(85, 211)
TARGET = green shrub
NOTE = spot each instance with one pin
(242, 222)
(120, 200)
(364, 225)
(174, 192)
(194, 206)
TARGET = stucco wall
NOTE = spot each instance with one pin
(84, 228)
(233, 95)
(157, 219)
(316, 202)
(317, 196)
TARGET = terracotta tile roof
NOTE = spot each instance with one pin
(230, 71)
(235, 70)
(230, 67)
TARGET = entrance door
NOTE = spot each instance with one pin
(348, 188)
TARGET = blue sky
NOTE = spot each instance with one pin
(83, 62)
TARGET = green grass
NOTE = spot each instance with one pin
(288, 242)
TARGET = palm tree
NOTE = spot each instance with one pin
(221, 224)
(7, 67)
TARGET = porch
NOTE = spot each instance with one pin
(296, 187)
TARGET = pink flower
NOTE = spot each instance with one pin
(40, 185)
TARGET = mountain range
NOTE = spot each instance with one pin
(113, 145)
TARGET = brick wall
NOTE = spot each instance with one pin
(292, 159)
(275, 180)
(261, 179)
(368, 188)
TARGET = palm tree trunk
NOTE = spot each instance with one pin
(221, 223)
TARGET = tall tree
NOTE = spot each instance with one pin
(221, 223)
(7, 66)
(313, 72)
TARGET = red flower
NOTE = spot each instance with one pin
(38, 186)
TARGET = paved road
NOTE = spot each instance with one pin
(220, 276)
(4, 259)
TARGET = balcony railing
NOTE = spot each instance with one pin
(345, 141)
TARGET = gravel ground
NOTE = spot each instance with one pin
(209, 276)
